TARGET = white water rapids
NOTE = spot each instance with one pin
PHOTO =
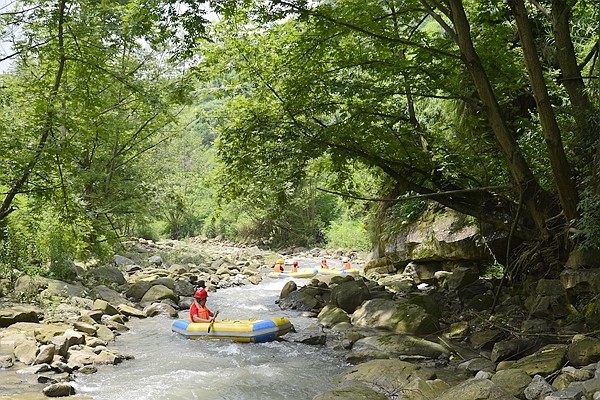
(170, 367)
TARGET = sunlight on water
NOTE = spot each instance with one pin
(168, 366)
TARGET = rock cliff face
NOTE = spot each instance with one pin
(436, 241)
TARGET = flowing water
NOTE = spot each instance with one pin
(168, 366)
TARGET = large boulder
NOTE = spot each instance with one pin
(398, 317)
(107, 275)
(435, 236)
(480, 389)
(392, 346)
(349, 295)
(386, 375)
(157, 293)
(20, 313)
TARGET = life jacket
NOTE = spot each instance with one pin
(324, 265)
(347, 265)
(294, 268)
(278, 268)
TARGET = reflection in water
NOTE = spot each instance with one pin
(168, 366)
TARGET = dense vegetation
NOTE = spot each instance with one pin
(276, 122)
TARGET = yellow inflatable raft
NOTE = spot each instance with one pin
(351, 271)
(246, 331)
(302, 273)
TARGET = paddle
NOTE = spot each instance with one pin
(213, 321)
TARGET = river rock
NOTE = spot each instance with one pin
(397, 317)
(349, 295)
(26, 351)
(129, 311)
(387, 375)
(480, 389)
(538, 388)
(570, 374)
(288, 288)
(105, 307)
(85, 327)
(512, 348)
(62, 289)
(545, 361)
(331, 315)
(137, 290)
(394, 346)
(6, 361)
(60, 389)
(45, 354)
(19, 313)
(514, 381)
(354, 393)
(584, 351)
(160, 308)
(157, 293)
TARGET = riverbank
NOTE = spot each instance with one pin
(405, 336)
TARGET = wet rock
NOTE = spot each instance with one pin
(514, 381)
(461, 277)
(354, 393)
(478, 364)
(26, 351)
(386, 375)
(396, 317)
(400, 345)
(458, 330)
(570, 374)
(160, 308)
(331, 315)
(584, 351)
(137, 290)
(20, 313)
(85, 327)
(157, 293)
(59, 390)
(487, 338)
(288, 288)
(105, 307)
(545, 361)
(481, 389)
(105, 274)
(538, 388)
(513, 348)
(34, 369)
(45, 354)
(6, 361)
(350, 295)
(129, 311)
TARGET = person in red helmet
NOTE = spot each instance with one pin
(324, 264)
(295, 266)
(198, 311)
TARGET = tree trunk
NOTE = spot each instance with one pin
(17, 186)
(561, 169)
(572, 79)
(536, 201)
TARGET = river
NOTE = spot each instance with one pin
(170, 367)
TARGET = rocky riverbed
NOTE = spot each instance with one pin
(409, 334)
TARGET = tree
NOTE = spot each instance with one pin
(452, 100)
(89, 95)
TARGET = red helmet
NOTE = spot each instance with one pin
(201, 294)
